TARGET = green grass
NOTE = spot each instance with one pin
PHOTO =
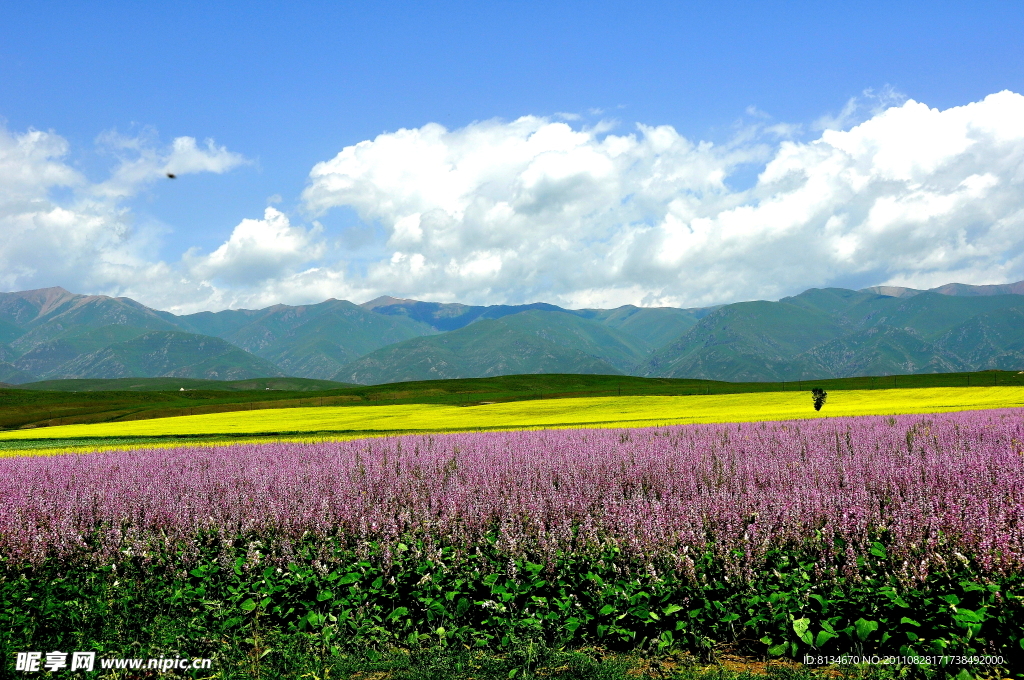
(176, 384)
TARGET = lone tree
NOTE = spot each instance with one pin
(819, 396)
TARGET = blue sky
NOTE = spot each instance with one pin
(286, 86)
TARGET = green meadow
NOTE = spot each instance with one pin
(68, 402)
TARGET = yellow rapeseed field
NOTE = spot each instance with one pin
(349, 421)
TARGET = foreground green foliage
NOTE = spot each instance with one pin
(434, 604)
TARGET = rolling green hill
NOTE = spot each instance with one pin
(315, 341)
(179, 384)
(529, 342)
(745, 341)
(9, 373)
(878, 350)
(831, 332)
(54, 333)
(56, 328)
(656, 326)
(46, 358)
(58, 313)
(9, 332)
(171, 354)
(310, 341)
(835, 333)
(443, 316)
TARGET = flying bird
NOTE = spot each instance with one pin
(171, 175)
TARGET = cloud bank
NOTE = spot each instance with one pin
(541, 209)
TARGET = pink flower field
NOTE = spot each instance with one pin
(932, 489)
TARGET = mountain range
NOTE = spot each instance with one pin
(52, 334)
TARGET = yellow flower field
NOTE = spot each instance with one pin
(583, 412)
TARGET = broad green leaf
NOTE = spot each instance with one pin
(248, 605)
(823, 637)
(399, 611)
(967, 616)
(800, 626)
(230, 623)
(865, 628)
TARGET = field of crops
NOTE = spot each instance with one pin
(580, 412)
(899, 535)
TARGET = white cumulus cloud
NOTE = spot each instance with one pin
(535, 209)
(887, 191)
(530, 209)
(141, 161)
(58, 228)
(257, 250)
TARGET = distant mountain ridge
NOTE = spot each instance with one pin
(52, 333)
(533, 341)
(838, 333)
(952, 289)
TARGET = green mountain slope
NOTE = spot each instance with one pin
(11, 374)
(320, 347)
(830, 332)
(989, 340)
(835, 333)
(315, 341)
(655, 326)
(929, 314)
(59, 314)
(7, 354)
(46, 358)
(171, 354)
(878, 350)
(745, 341)
(528, 342)
(218, 324)
(9, 332)
(443, 316)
